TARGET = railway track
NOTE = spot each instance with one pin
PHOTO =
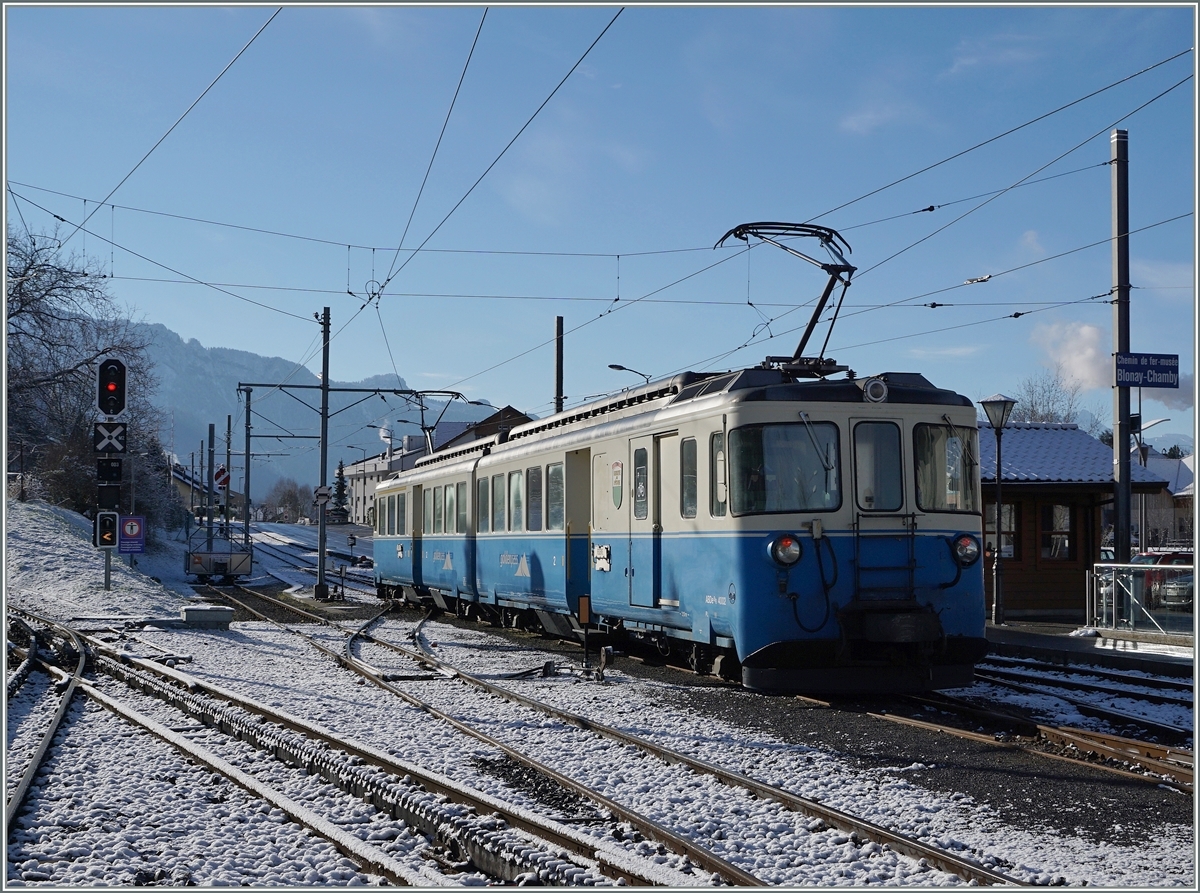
(857, 828)
(1125, 677)
(1120, 718)
(205, 723)
(1125, 757)
(364, 583)
(690, 851)
(73, 653)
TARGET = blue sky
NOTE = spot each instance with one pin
(680, 124)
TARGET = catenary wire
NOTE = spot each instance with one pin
(504, 150)
(154, 262)
(176, 124)
(1000, 136)
(991, 199)
(437, 145)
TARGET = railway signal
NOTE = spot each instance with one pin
(104, 531)
(108, 471)
(110, 387)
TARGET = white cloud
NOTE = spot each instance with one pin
(1152, 274)
(1029, 241)
(1178, 399)
(1082, 349)
(965, 350)
(1000, 51)
(874, 115)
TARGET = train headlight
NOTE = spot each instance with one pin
(785, 550)
(966, 549)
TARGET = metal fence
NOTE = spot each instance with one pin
(1148, 597)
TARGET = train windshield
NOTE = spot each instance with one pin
(947, 470)
(790, 467)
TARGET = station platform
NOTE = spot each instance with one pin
(1167, 655)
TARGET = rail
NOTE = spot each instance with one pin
(1148, 597)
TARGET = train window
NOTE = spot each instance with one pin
(427, 525)
(1056, 532)
(947, 470)
(878, 477)
(380, 520)
(451, 513)
(391, 516)
(556, 511)
(533, 501)
(641, 485)
(482, 506)
(461, 518)
(498, 502)
(716, 475)
(687, 473)
(785, 467)
(439, 502)
(516, 494)
(401, 514)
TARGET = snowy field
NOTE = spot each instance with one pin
(113, 825)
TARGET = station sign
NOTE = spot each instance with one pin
(131, 534)
(1147, 370)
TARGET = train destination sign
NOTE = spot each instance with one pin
(1147, 370)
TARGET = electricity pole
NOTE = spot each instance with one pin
(322, 588)
(1122, 490)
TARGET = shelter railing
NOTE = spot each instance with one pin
(1147, 597)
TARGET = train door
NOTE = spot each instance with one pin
(885, 559)
(645, 519)
(578, 525)
(421, 516)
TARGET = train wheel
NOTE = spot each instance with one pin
(700, 660)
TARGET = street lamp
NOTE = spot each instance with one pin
(998, 408)
(621, 368)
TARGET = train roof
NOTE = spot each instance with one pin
(742, 385)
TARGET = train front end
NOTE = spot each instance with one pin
(858, 561)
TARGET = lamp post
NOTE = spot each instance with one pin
(621, 368)
(998, 408)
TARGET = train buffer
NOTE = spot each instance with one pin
(217, 554)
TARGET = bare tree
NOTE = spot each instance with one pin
(1047, 396)
(61, 319)
(285, 501)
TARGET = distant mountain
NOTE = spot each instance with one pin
(1158, 437)
(198, 386)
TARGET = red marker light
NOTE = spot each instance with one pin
(111, 386)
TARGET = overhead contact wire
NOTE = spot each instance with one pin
(176, 124)
(437, 145)
(503, 151)
(1001, 135)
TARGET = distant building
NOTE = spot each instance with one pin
(1168, 513)
(1056, 481)
(363, 476)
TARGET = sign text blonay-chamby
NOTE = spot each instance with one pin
(1146, 370)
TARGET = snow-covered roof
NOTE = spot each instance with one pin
(1177, 472)
(1051, 452)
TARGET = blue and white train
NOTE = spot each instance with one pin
(815, 535)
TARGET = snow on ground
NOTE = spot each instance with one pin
(109, 817)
